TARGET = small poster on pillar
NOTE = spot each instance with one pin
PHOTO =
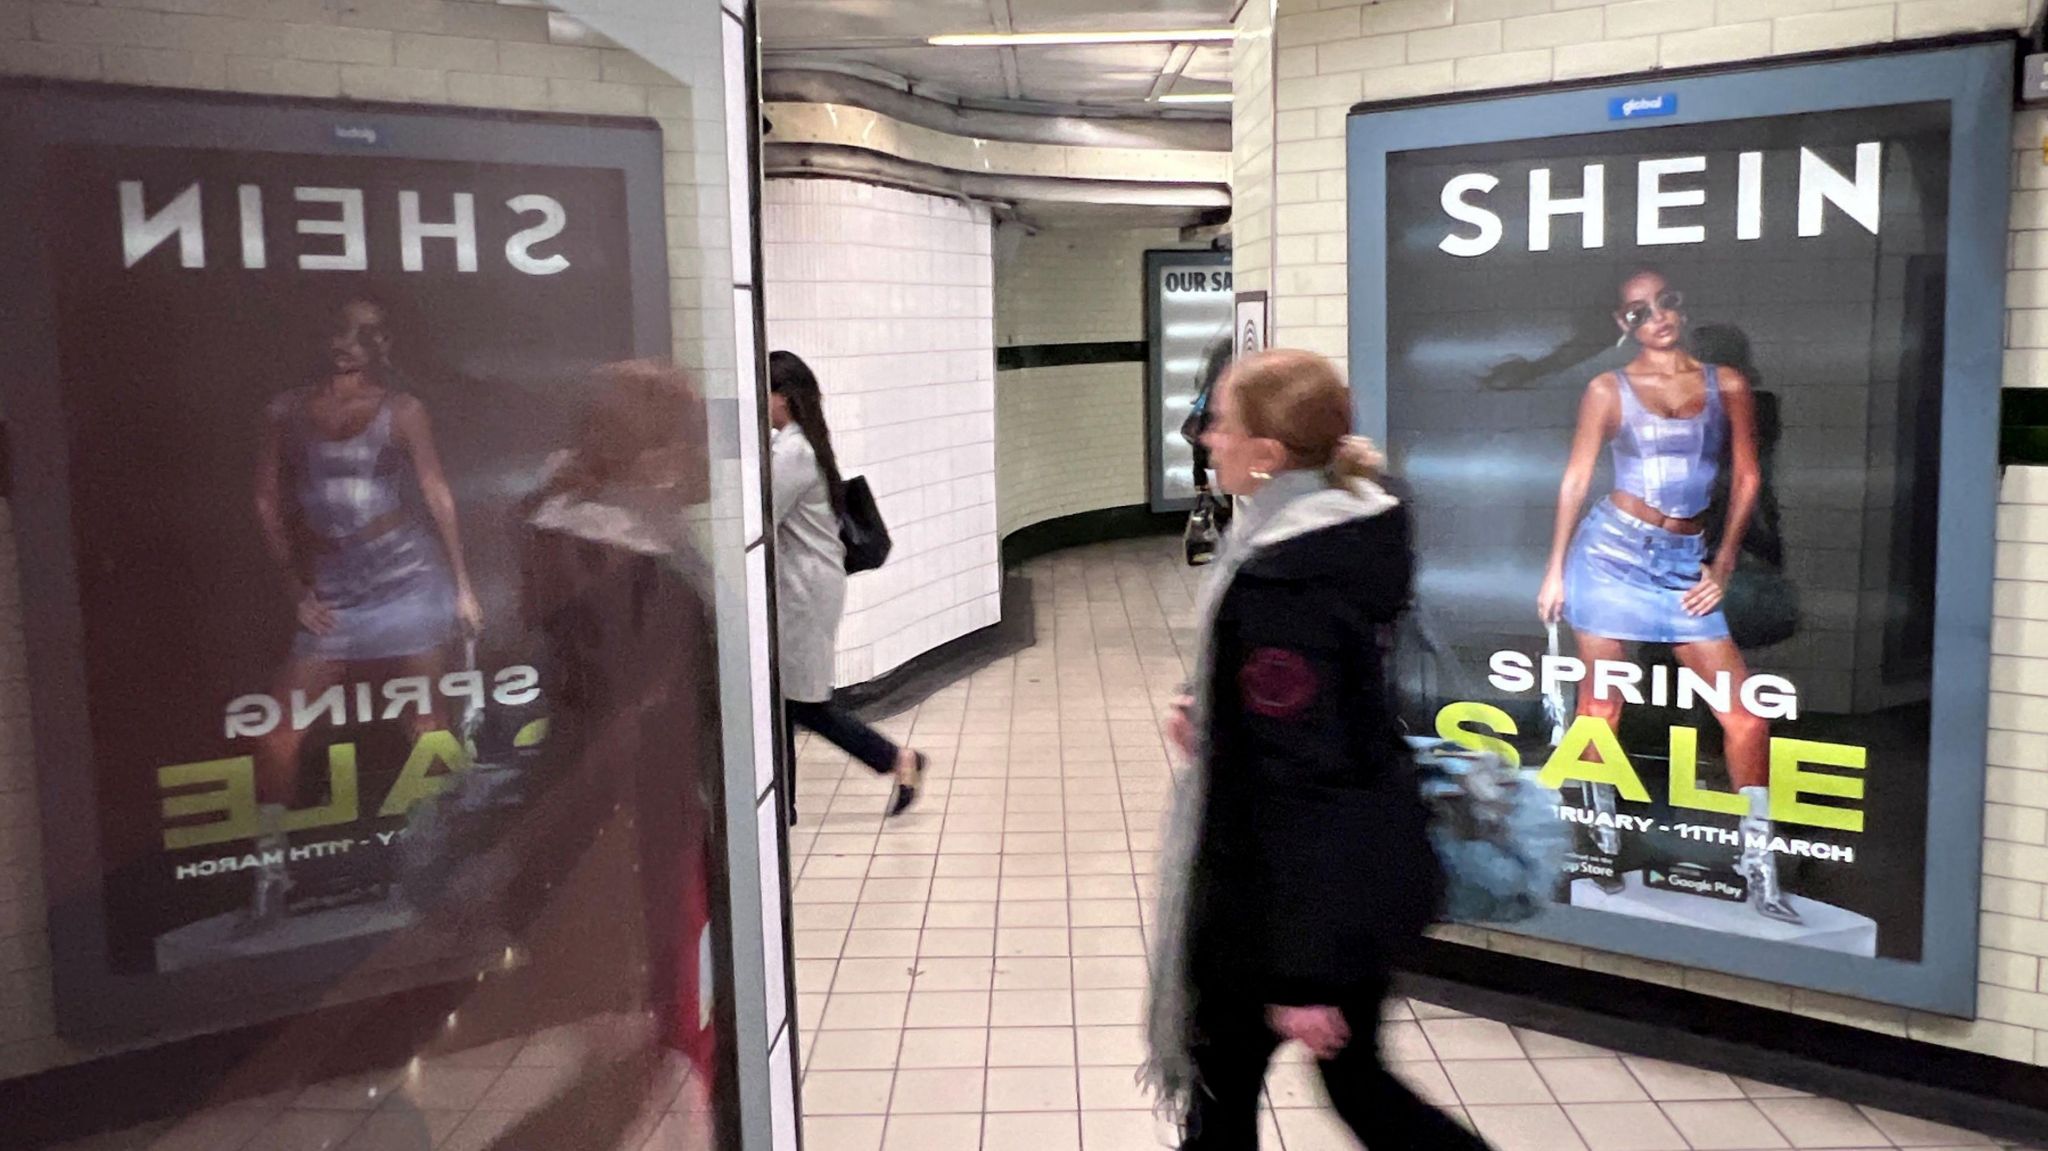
(1687, 379)
(287, 382)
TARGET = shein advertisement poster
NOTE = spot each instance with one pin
(273, 617)
(1695, 381)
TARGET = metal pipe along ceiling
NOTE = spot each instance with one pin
(815, 87)
(856, 163)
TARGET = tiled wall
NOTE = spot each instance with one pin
(888, 295)
(1333, 53)
(449, 52)
(1071, 439)
(1251, 134)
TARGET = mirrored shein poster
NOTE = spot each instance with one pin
(1675, 376)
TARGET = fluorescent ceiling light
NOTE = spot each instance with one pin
(1021, 39)
(1195, 98)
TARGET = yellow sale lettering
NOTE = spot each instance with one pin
(214, 801)
(1479, 727)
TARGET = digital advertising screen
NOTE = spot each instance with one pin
(1695, 382)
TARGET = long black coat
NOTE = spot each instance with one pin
(1314, 870)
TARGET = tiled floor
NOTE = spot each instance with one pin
(971, 975)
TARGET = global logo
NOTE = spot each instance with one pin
(1642, 107)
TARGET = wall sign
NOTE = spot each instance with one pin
(1700, 414)
(311, 359)
(1188, 318)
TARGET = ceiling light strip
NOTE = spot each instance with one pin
(1046, 39)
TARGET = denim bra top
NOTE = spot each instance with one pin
(346, 485)
(1670, 463)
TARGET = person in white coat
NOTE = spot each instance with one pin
(810, 580)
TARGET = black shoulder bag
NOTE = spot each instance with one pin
(861, 528)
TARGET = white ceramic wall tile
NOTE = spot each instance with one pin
(886, 294)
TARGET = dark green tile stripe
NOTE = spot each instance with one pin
(1067, 355)
(2023, 430)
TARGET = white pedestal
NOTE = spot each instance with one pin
(1827, 927)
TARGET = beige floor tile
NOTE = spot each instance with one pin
(948, 1009)
(1126, 1131)
(1821, 1123)
(944, 1047)
(958, 942)
(823, 916)
(1020, 915)
(880, 944)
(1543, 1046)
(865, 1011)
(1032, 1089)
(1109, 1007)
(1675, 1082)
(1042, 942)
(1526, 1127)
(1113, 1089)
(1103, 913)
(959, 916)
(1029, 973)
(848, 1092)
(843, 1132)
(1590, 1081)
(1116, 972)
(819, 944)
(1483, 1081)
(1048, 1131)
(854, 1051)
(968, 973)
(1624, 1127)
(903, 866)
(937, 1091)
(887, 916)
(1724, 1125)
(931, 1132)
(1031, 1047)
(896, 891)
(887, 974)
(1111, 1046)
(1032, 1009)
(1464, 1038)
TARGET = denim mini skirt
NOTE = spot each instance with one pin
(1626, 579)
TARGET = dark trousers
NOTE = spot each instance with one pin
(842, 731)
(1237, 1045)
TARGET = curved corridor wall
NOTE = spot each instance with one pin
(888, 296)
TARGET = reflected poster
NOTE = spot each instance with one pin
(1671, 400)
(313, 714)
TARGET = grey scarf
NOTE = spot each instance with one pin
(1291, 504)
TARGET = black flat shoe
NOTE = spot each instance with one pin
(906, 795)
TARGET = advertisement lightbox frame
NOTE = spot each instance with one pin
(93, 1001)
(1975, 81)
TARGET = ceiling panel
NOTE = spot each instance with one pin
(823, 22)
(1097, 15)
(889, 34)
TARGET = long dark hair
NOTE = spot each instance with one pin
(791, 378)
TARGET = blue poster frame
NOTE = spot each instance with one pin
(1975, 80)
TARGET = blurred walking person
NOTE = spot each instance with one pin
(1296, 870)
(810, 581)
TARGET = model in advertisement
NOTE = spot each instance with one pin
(376, 584)
(1635, 568)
